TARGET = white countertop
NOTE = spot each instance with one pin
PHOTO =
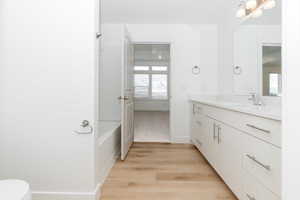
(267, 111)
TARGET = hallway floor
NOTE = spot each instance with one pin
(151, 126)
(154, 171)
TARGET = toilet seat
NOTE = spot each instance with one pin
(14, 190)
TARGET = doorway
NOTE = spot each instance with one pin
(152, 92)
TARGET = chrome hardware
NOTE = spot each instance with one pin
(219, 131)
(85, 128)
(214, 136)
(196, 70)
(98, 35)
(194, 108)
(250, 197)
(85, 123)
(255, 98)
(237, 70)
(257, 128)
(123, 98)
(267, 167)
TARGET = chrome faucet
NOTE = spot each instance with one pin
(255, 98)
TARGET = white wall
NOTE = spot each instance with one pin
(227, 27)
(248, 42)
(291, 99)
(190, 45)
(47, 78)
(110, 72)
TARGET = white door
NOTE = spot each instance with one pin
(127, 121)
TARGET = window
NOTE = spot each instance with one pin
(151, 82)
(141, 82)
(159, 68)
(160, 86)
(274, 84)
(141, 68)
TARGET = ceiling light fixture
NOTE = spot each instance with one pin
(254, 8)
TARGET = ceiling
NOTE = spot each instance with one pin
(163, 11)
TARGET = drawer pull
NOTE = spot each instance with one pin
(215, 136)
(194, 109)
(250, 197)
(219, 136)
(267, 167)
(257, 128)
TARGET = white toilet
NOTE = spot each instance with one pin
(14, 190)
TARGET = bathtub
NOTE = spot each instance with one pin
(108, 145)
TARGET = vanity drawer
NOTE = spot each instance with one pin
(265, 129)
(198, 109)
(253, 190)
(262, 128)
(262, 161)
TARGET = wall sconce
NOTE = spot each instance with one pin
(254, 8)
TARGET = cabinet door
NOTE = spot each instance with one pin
(230, 157)
(198, 125)
(193, 123)
(202, 133)
(211, 150)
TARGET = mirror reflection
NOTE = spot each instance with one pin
(272, 84)
(257, 54)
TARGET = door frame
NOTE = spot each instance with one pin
(170, 80)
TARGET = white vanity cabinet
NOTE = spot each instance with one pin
(224, 154)
(230, 157)
(198, 126)
(248, 158)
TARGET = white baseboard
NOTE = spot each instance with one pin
(39, 195)
(181, 140)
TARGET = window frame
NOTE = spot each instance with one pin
(150, 72)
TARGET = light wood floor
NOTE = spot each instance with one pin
(151, 126)
(164, 172)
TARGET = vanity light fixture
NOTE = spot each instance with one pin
(269, 4)
(257, 13)
(251, 4)
(254, 8)
(241, 11)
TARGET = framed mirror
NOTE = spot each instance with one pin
(271, 70)
(257, 54)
